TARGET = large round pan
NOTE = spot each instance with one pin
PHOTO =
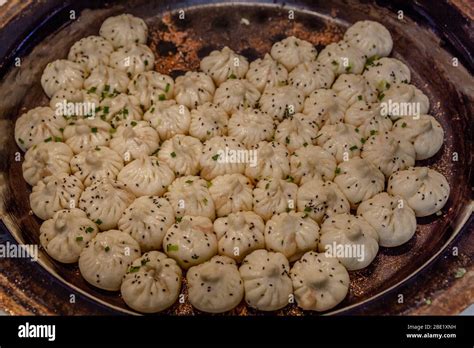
(432, 39)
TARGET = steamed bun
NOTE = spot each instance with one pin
(296, 131)
(215, 286)
(266, 72)
(65, 235)
(224, 64)
(147, 220)
(425, 133)
(189, 195)
(388, 152)
(292, 51)
(207, 121)
(106, 258)
(425, 190)
(119, 109)
(147, 176)
(231, 193)
(90, 52)
(359, 180)
(312, 162)
(97, 163)
(135, 139)
(349, 238)
(340, 140)
(353, 88)
(193, 89)
(133, 59)
(370, 37)
(391, 217)
(281, 101)
(272, 160)
(343, 57)
(384, 72)
(309, 76)
(325, 106)
(106, 81)
(182, 154)
(234, 95)
(46, 159)
(62, 73)
(105, 201)
(222, 155)
(123, 30)
(272, 196)
(239, 234)
(168, 118)
(250, 126)
(38, 125)
(53, 193)
(403, 93)
(266, 279)
(321, 290)
(152, 283)
(87, 133)
(150, 88)
(190, 241)
(321, 200)
(291, 234)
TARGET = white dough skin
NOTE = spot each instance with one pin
(90, 52)
(266, 279)
(190, 241)
(272, 160)
(53, 193)
(425, 190)
(359, 180)
(215, 286)
(38, 125)
(384, 72)
(321, 200)
(319, 282)
(343, 58)
(152, 283)
(231, 193)
(391, 217)
(292, 234)
(239, 234)
(194, 89)
(97, 163)
(224, 64)
(425, 133)
(65, 235)
(168, 118)
(123, 30)
(266, 73)
(292, 51)
(46, 159)
(312, 162)
(388, 152)
(105, 201)
(106, 258)
(147, 220)
(189, 195)
(182, 154)
(349, 238)
(370, 37)
(62, 73)
(272, 196)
